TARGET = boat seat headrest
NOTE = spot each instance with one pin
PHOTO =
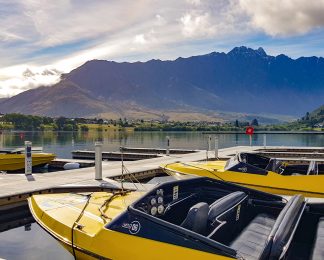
(196, 219)
(224, 203)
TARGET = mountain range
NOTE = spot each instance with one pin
(239, 84)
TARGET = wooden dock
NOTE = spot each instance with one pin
(113, 156)
(129, 154)
(17, 187)
(156, 150)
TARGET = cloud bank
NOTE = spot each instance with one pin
(39, 35)
(285, 18)
(14, 83)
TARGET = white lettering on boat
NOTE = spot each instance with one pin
(133, 227)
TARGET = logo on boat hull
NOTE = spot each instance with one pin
(243, 169)
(133, 227)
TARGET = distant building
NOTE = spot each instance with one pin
(319, 125)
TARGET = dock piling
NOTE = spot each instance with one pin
(209, 142)
(28, 158)
(98, 160)
(168, 146)
(264, 140)
(216, 146)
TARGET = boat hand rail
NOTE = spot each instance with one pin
(173, 203)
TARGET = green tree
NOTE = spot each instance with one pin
(255, 122)
(60, 122)
(84, 128)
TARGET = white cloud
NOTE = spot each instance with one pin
(14, 80)
(194, 2)
(286, 17)
(206, 19)
(196, 25)
(63, 34)
(160, 20)
(140, 38)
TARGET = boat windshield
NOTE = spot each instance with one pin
(248, 163)
(11, 150)
(296, 167)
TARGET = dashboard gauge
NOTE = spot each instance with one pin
(153, 201)
(154, 211)
(160, 209)
(160, 200)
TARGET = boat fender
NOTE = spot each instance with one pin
(71, 166)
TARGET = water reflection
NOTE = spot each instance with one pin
(62, 143)
(30, 242)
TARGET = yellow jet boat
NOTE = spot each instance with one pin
(196, 218)
(14, 159)
(275, 175)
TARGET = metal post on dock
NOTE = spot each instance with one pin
(208, 146)
(209, 142)
(98, 160)
(28, 158)
(168, 146)
(216, 146)
(264, 140)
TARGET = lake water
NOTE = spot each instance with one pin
(62, 143)
(31, 243)
(34, 243)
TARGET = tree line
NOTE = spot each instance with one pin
(30, 122)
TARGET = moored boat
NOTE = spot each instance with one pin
(275, 175)
(14, 159)
(197, 218)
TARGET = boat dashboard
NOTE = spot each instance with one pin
(172, 201)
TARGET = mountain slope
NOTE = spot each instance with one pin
(243, 80)
(3, 99)
(65, 99)
(317, 116)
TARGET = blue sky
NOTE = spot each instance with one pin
(40, 39)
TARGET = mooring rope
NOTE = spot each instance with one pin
(76, 222)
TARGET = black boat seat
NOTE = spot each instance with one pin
(266, 237)
(196, 219)
(253, 239)
(225, 216)
(223, 204)
(318, 249)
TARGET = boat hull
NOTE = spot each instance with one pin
(56, 213)
(308, 185)
(13, 162)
